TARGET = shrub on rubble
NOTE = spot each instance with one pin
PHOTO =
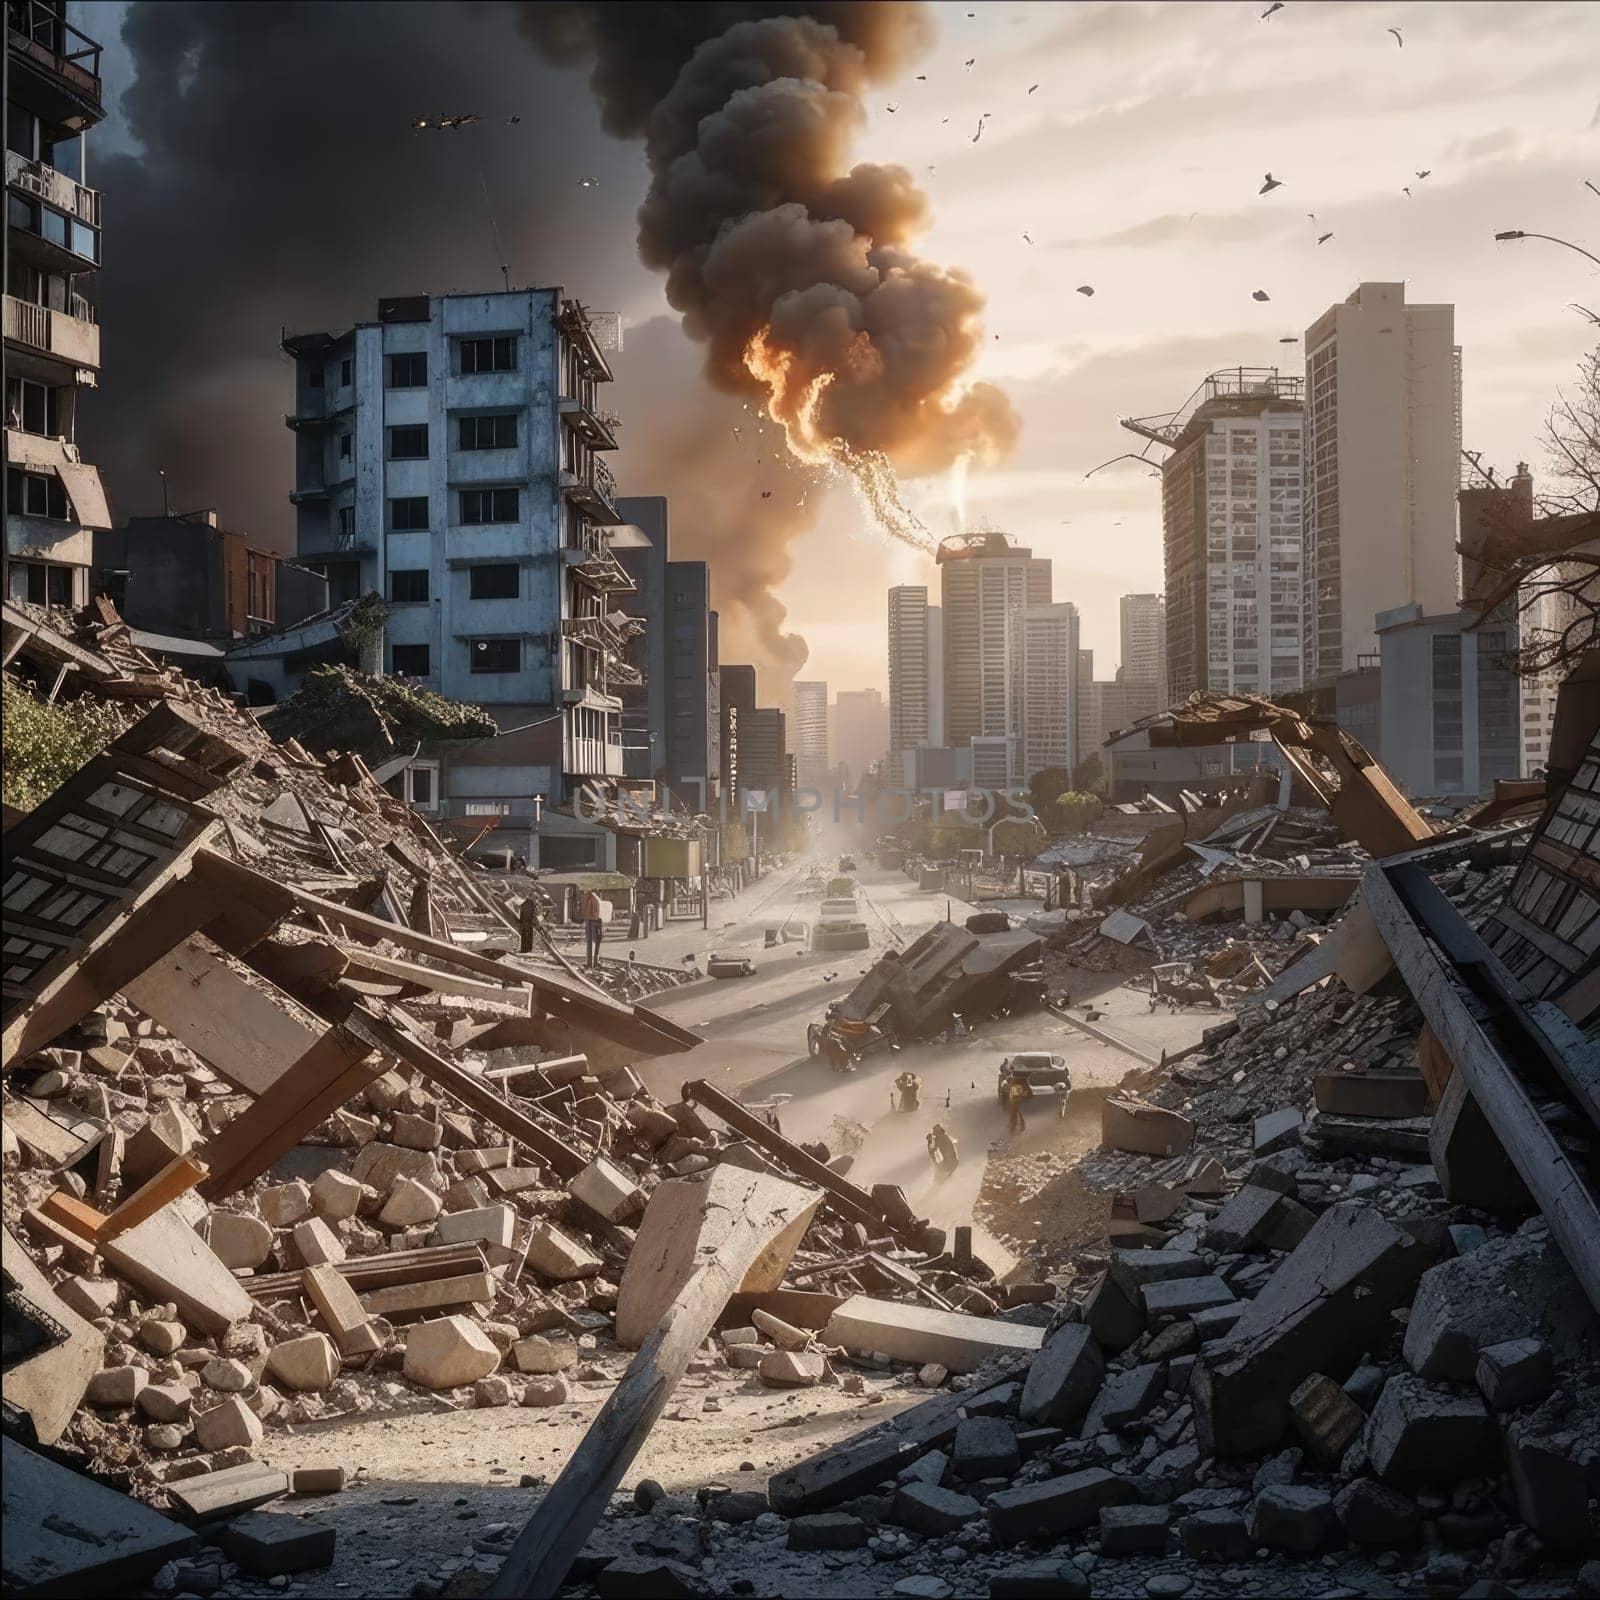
(43, 745)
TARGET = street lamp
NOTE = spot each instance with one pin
(1518, 233)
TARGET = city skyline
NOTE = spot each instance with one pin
(1084, 170)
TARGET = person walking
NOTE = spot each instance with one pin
(1016, 1092)
(592, 911)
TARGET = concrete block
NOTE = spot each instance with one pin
(1372, 1093)
(1326, 1418)
(317, 1244)
(1125, 1396)
(1184, 1298)
(307, 1363)
(1215, 1535)
(165, 1402)
(161, 1336)
(113, 1386)
(907, 1332)
(416, 1133)
(409, 1204)
(485, 1225)
(1134, 1530)
(792, 1369)
(546, 1392)
(1048, 1579)
(227, 1491)
(1377, 1516)
(1277, 1130)
(482, 1160)
(827, 1530)
(554, 1254)
(285, 1204)
(448, 1353)
(985, 1447)
(1326, 1303)
(230, 1422)
(1064, 1377)
(267, 1543)
(926, 1508)
(1056, 1506)
(611, 1190)
(1115, 1317)
(1136, 1125)
(1294, 1517)
(226, 1376)
(495, 1390)
(1471, 1163)
(1133, 1269)
(1257, 1218)
(1520, 1372)
(318, 1480)
(238, 1240)
(1549, 1475)
(91, 1298)
(377, 1165)
(1422, 1434)
(167, 1135)
(336, 1196)
(539, 1354)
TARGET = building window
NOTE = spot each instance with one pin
(347, 522)
(409, 444)
(32, 407)
(410, 660)
(409, 371)
(489, 355)
(496, 655)
(32, 494)
(347, 372)
(489, 433)
(346, 446)
(49, 586)
(489, 505)
(417, 785)
(314, 377)
(496, 582)
(408, 584)
(486, 808)
(409, 514)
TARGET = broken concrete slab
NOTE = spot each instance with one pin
(49, 1373)
(68, 1535)
(1550, 1468)
(307, 1363)
(925, 1508)
(449, 1352)
(1115, 1317)
(1277, 1130)
(1519, 1372)
(213, 1495)
(1184, 1298)
(541, 1355)
(1377, 1516)
(609, 1189)
(1371, 1092)
(168, 1259)
(1064, 1378)
(238, 1240)
(229, 1423)
(553, 1253)
(1327, 1302)
(792, 1369)
(1145, 1129)
(1124, 1397)
(1472, 1164)
(1133, 1269)
(1420, 1433)
(1295, 1517)
(1056, 1506)
(985, 1447)
(1134, 1530)
(267, 1543)
(906, 1332)
(1258, 1218)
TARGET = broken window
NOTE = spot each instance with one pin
(495, 655)
(489, 355)
(409, 444)
(408, 585)
(498, 432)
(409, 370)
(347, 522)
(410, 660)
(494, 582)
(489, 505)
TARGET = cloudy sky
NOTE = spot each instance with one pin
(260, 173)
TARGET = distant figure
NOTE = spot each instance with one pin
(947, 1099)
(908, 1087)
(593, 914)
(1016, 1092)
(942, 1151)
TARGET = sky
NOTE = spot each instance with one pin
(260, 173)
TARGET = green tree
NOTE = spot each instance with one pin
(1043, 788)
(1077, 809)
(44, 745)
(1090, 774)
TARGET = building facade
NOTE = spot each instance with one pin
(808, 733)
(55, 502)
(694, 762)
(1050, 690)
(916, 669)
(1143, 620)
(860, 731)
(1234, 542)
(450, 458)
(987, 586)
(644, 704)
(1382, 451)
(1449, 702)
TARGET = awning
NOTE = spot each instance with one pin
(87, 494)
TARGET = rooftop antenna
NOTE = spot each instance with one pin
(494, 228)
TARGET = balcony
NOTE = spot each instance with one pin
(54, 188)
(74, 340)
(322, 544)
(595, 565)
(597, 429)
(58, 65)
(594, 492)
(56, 225)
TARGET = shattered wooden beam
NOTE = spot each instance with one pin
(764, 1210)
(1493, 1039)
(849, 1199)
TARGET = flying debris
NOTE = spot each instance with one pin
(1292, 338)
(588, 183)
(1269, 183)
(969, 61)
(1259, 294)
(737, 432)
(979, 134)
(1588, 185)
(512, 121)
(766, 494)
(1424, 173)
(1032, 88)
(1312, 215)
(1405, 189)
(1025, 236)
(891, 107)
(1584, 311)
(1127, 455)
(1277, 5)
(1084, 288)
(1324, 238)
(460, 120)
(922, 77)
(1397, 39)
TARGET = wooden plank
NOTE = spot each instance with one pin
(377, 1272)
(341, 1311)
(248, 1032)
(384, 1035)
(958, 1342)
(433, 979)
(179, 1176)
(765, 1209)
(472, 1288)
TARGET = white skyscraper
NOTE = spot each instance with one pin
(1383, 453)
(1144, 641)
(808, 733)
(1050, 711)
(913, 674)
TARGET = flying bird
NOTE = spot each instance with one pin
(512, 121)
(1397, 39)
(1405, 189)
(766, 494)
(1269, 184)
(1324, 238)
(1084, 288)
(979, 134)
(1035, 86)
(968, 62)
(1277, 5)
(922, 77)
(460, 120)
(588, 183)
(1025, 236)
(1424, 173)
(1259, 294)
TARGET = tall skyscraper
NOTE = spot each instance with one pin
(1050, 709)
(54, 499)
(912, 686)
(987, 587)
(1383, 451)
(1234, 540)
(1144, 641)
(860, 734)
(808, 732)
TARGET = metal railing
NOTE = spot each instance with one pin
(41, 179)
(76, 55)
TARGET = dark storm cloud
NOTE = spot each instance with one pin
(278, 184)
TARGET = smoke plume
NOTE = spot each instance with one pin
(793, 268)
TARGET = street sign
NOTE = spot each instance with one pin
(755, 799)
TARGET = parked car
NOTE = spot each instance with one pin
(845, 1040)
(1046, 1076)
